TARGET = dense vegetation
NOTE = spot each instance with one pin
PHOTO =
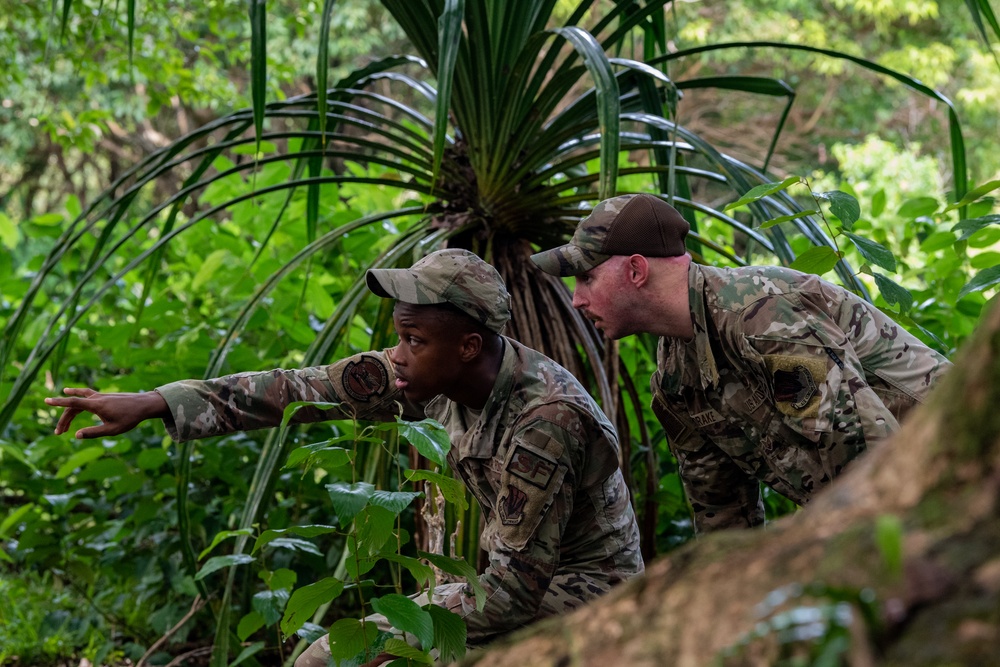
(156, 234)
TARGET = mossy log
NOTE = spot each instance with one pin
(897, 563)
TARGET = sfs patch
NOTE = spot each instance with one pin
(364, 379)
(796, 383)
(511, 506)
(531, 466)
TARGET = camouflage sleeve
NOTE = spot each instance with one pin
(524, 534)
(721, 494)
(362, 385)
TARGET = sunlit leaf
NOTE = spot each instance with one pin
(79, 459)
(306, 600)
(223, 535)
(920, 206)
(844, 206)
(452, 489)
(302, 531)
(893, 293)
(427, 436)
(983, 280)
(786, 218)
(349, 637)
(817, 260)
(974, 194)
(873, 251)
(218, 562)
(763, 190)
(404, 614)
(970, 227)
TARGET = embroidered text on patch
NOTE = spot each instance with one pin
(511, 507)
(531, 467)
(364, 379)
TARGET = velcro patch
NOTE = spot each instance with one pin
(531, 466)
(510, 506)
(796, 382)
(365, 378)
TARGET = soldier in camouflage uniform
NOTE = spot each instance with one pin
(764, 374)
(527, 439)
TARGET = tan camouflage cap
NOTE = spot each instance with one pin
(452, 276)
(637, 224)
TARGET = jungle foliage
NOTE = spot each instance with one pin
(238, 244)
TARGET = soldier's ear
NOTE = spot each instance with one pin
(469, 346)
(637, 268)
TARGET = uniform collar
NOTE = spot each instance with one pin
(690, 363)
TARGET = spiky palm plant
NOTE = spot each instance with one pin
(498, 137)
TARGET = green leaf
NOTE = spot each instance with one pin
(349, 637)
(270, 604)
(249, 624)
(404, 614)
(874, 252)
(919, 207)
(295, 544)
(459, 568)
(151, 459)
(306, 600)
(219, 562)
(321, 452)
(78, 459)
(894, 293)
(401, 649)
(817, 260)
(258, 63)
(294, 407)
(394, 501)
(349, 499)
(889, 538)
(785, 218)
(209, 267)
(302, 531)
(247, 653)
(9, 235)
(983, 280)
(7, 449)
(452, 489)
(878, 203)
(450, 634)
(224, 535)
(970, 227)
(974, 194)
(844, 206)
(374, 527)
(449, 39)
(763, 190)
(280, 578)
(428, 437)
(13, 518)
(422, 573)
(938, 241)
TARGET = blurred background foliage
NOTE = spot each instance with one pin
(91, 546)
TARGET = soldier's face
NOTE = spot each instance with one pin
(427, 357)
(599, 294)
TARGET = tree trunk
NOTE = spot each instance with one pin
(897, 563)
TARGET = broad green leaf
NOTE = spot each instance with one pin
(301, 531)
(763, 190)
(983, 280)
(873, 251)
(878, 203)
(248, 653)
(421, 572)
(224, 535)
(970, 227)
(844, 206)
(9, 235)
(449, 39)
(310, 632)
(401, 649)
(270, 604)
(78, 459)
(394, 501)
(292, 408)
(920, 206)
(889, 538)
(47, 219)
(321, 451)
(280, 578)
(349, 499)
(219, 562)
(349, 637)
(450, 633)
(3, 555)
(404, 614)
(984, 260)
(306, 600)
(974, 194)
(7, 449)
(893, 293)
(460, 568)
(817, 260)
(249, 624)
(428, 437)
(987, 237)
(294, 544)
(374, 527)
(785, 218)
(938, 241)
(13, 518)
(151, 459)
(209, 268)
(452, 489)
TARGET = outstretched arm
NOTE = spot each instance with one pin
(119, 413)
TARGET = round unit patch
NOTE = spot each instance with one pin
(364, 379)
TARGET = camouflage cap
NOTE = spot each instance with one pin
(637, 224)
(452, 276)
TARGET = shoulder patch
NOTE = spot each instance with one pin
(511, 506)
(365, 378)
(796, 381)
(531, 466)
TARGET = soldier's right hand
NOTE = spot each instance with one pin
(119, 413)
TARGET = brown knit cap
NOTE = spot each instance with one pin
(638, 224)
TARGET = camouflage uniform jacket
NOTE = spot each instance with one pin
(788, 379)
(541, 458)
